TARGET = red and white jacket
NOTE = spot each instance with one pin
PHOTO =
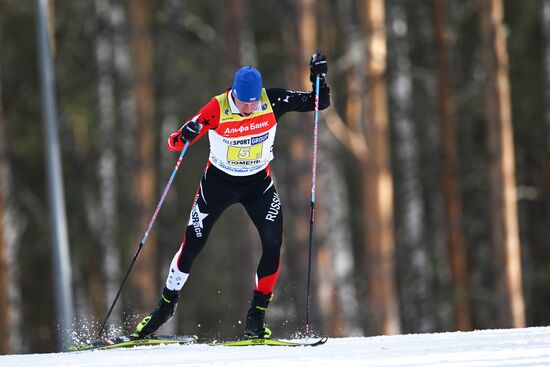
(243, 146)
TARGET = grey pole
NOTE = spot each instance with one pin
(58, 219)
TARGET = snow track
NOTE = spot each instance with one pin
(513, 347)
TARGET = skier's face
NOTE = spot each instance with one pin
(246, 109)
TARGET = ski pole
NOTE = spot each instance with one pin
(312, 211)
(163, 196)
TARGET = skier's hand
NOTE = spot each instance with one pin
(190, 131)
(318, 66)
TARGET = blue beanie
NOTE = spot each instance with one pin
(247, 86)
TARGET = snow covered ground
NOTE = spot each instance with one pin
(514, 347)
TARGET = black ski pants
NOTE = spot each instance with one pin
(257, 193)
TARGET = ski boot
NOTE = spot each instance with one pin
(164, 311)
(255, 327)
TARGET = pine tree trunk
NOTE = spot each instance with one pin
(325, 296)
(449, 174)
(144, 279)
(510, 309)
(417, 297)
(107, 157)
(298, 200)
(377, 182)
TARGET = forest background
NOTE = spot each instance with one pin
(433, 207)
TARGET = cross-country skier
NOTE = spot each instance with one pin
(241, 125)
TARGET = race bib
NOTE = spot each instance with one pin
(240, 154)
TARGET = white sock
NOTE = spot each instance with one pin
(176, 278)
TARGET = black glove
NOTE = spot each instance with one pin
(318, 66)
(190, 131)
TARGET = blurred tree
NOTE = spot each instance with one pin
(301, 35)
(323, 300)
(126, 114)
(145, 276)
(541, 228)
(233, 23)
(506, 245)
(106, 232)
(464, 52)
(338, 299)
(240, 49)
(449, 170)
(376, 180)
(24, 218)
(10, 236)
(546, 37)
(169, 234)
(355, 76)
(416, 271)
(5, 305)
